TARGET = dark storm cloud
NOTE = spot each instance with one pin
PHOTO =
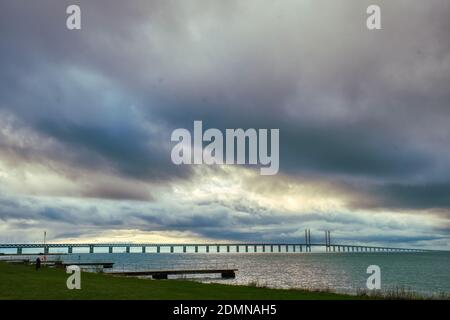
(351, 150)
(416, 197)
(350, 104)
(28, 210)
(62, 94)
(70, 220)
(133, 152)
(409, 240)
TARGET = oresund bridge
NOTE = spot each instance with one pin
(261, 247)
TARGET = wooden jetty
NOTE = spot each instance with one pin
(60, 264)
(163, 274)
(105, 265)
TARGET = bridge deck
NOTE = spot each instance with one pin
(210, 247)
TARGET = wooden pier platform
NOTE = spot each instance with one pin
(106, 265)
(163, 274)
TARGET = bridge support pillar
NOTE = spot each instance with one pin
(207, 248)
(279, 248)
(255, 249)
(69, 250)
(127, 249)
(19, 250)
(218, 248)
(91, 249)
(158, 249)
(246, 248)
(184, 249)
(293, 248)
(143, 249)
(196, 249)
(110, 249)
(263, 248)
(171, 249)
(301, 248)
(237, 248)
(271, 248)
(287, 248)
(228, 248)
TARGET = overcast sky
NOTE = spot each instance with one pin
(86, 118)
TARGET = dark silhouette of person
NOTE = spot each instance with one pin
(38, 263)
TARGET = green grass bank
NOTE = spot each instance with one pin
(19, 281)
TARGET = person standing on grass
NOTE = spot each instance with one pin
(38, 263)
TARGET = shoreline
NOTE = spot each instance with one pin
(23, 282)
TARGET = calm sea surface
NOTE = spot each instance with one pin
(425, 273)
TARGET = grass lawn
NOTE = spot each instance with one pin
(19, 281)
